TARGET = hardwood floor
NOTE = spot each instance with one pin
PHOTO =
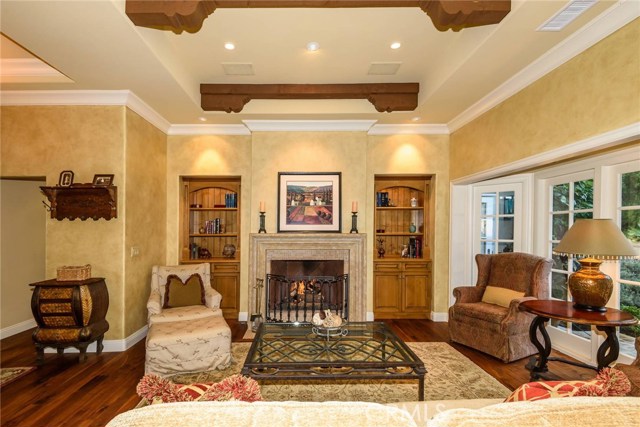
(63, 392)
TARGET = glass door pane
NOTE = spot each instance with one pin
(569, 201)
(497, 214)
(498, 218)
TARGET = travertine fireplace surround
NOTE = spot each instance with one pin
(350, 248)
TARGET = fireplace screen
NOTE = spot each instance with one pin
(297, 299)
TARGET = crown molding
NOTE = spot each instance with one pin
(85, 97)
(208, 130)
(616, 17)
(604, 140)
(29, 70)
(63, 97)
(432, 129)
(146, 112)
(309, 125)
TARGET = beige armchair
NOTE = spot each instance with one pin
(500, 330)
(159, 276)
(191, 338)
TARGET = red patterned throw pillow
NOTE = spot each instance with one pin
(236, 387)
(608, 382)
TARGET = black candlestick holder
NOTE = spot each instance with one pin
(354, 222)
(262, 229)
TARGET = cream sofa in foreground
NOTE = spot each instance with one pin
(560, 412)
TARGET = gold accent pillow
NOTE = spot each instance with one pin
(182, 294)
(500, 296)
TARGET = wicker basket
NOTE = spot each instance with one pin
(70, 273)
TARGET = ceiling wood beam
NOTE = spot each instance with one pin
(385, 97)
(189, 15)
(458, 14)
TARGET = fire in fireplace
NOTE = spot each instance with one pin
(297, 299)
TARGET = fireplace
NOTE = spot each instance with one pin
(298, 299)
(298, 256)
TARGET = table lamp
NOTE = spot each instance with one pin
(596, 240)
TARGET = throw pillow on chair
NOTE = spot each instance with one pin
(184, 294)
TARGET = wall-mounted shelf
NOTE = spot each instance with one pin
(82, 201)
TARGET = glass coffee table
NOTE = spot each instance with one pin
(358, 351)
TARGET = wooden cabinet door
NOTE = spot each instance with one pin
(228, 284)
(416, 293)
(225, 278)
(387, 297)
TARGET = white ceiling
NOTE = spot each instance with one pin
(97, 47)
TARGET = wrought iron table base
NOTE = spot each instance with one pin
(537, 365)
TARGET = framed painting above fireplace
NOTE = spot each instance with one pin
(309, 202)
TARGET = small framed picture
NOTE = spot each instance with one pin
(66, 178)
(103, 180)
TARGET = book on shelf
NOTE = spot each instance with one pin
(382, 199)
(231, 200)
(415, 247)
(213, 226)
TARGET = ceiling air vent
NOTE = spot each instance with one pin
(384, 68)
(238, 68)
(566, 16)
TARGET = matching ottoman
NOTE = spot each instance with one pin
(194, 345)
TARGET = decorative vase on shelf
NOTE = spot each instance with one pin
(414, 202)
(229, 251)
(381, 250)
(412, 228)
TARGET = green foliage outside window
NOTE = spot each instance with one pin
(631, 330)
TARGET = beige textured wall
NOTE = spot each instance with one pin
(209, 155)
(597, 91)
(419, 155)
(145, 220)
(23, 248)
(43, 141)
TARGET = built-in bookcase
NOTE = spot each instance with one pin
(211, 232)
(402, 246)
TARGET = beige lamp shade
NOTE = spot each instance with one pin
(596, 238)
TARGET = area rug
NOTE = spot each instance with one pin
(8, 375)
(450, 375)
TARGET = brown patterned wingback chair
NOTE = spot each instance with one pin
(493, 329)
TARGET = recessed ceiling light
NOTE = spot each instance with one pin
(396, 45)
(415, 119)
(202, 119)
(229, 46)
(313, 46)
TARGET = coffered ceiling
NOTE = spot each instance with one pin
(95, 46)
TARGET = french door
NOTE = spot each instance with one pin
(607, 186)
(500, 212)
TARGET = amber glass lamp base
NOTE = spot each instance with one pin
(590, 288)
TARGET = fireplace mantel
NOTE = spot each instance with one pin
(351, 248)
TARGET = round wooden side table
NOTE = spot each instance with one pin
(565, 311)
